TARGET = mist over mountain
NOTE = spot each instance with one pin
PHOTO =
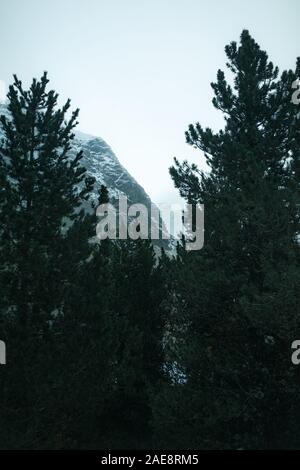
(102, 164)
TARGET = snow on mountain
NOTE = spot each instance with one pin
(102, 164)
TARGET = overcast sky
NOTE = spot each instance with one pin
(140, 71)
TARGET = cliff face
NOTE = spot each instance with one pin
(102, 164)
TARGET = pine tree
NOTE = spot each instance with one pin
(238, 308)
(81, 318)
(41, 193)
(44, 238)
(137, 299)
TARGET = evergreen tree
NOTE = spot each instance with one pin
(237, 307)
(139, 292)
(81, 318)
(44, 237)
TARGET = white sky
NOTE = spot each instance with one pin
(140, 71)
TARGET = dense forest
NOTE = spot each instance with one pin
(111, 346)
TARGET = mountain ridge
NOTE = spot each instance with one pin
(101, 163)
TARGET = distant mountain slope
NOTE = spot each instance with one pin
(101, 163)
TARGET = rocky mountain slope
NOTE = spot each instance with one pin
(102, 164)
